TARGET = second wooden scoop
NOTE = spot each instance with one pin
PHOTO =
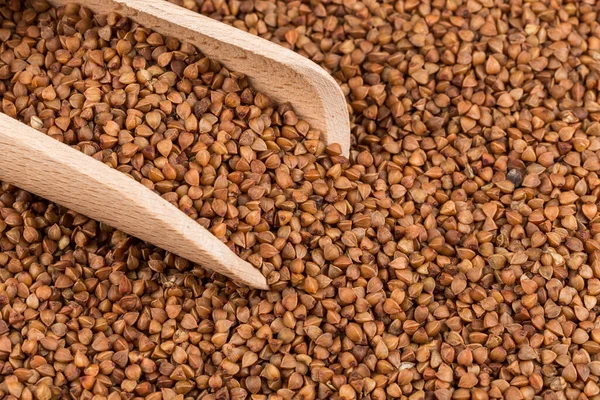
(41, 165)
(274, 70)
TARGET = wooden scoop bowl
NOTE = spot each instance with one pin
(274, 70)
(41, 165)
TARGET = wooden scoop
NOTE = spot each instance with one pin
(274, 70)
(41, 165)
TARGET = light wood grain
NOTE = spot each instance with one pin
(41, 165)
(276, 71)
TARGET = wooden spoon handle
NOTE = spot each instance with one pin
(274, 70)
(41, 165)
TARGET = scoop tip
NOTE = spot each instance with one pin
(260, 283)
(252, 278)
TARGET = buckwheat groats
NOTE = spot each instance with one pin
(454, 255)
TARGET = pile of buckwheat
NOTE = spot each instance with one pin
(453, 256)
